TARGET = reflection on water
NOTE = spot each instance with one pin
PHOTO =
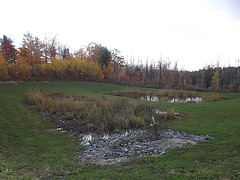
(174, 100)
(159, 111)
(88, 137)
(91, 136)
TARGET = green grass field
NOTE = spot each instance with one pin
(28, 150)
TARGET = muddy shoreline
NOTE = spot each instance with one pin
(114, 148)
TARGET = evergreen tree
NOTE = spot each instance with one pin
(8, 49)
(208, 74)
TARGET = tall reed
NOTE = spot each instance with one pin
(97, 114)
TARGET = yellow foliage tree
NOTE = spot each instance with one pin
(215, 83)
(108, 71)
(23, 69)
(57, 67)
(3, 68)
(100, 75)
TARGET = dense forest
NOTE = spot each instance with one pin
(48, 60)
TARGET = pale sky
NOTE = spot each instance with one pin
(193, 32)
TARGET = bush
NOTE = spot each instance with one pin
(209, 97)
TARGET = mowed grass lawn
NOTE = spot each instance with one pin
(29, 150)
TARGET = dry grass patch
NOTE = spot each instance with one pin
(100, 114)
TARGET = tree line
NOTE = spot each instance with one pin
(48, 60)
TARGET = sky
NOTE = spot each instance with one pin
(195, 33)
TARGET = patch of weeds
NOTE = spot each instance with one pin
(114, 146)
(137, 122)
(70, 115)
(99, 114)
(210, 97)
(139, 139)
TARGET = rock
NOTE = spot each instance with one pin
(83, 160)
(112, 149)
(208, 137)
(87, 144)
(83, 142)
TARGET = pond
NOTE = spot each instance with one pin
(173, 100)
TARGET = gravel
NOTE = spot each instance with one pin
(115, 148)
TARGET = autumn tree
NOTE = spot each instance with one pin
(118, 60)
(32, 50)
(168, 80)
(108, 71)
(23, 69)
(49, 60)
(3, 68)
(8, 49)
(181, 79)
(80, 54)
(50, 48)
(117, 64)
(92, 51)
(64, 52)
(98, 53)
(163, 74)
(160, 73)
(215, 83)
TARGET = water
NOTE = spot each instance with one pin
(159, 111)
(174, 100)
(91, 136)
(88, 137)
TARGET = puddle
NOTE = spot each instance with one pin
(174, 100)
(92, 136)
(161, 112)
(87, 137)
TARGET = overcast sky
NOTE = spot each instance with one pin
(192, 32)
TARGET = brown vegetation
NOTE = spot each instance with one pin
(99, 114)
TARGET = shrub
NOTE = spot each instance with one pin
(209, 97)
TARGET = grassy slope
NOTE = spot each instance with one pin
(26, 144)
(28, 149)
